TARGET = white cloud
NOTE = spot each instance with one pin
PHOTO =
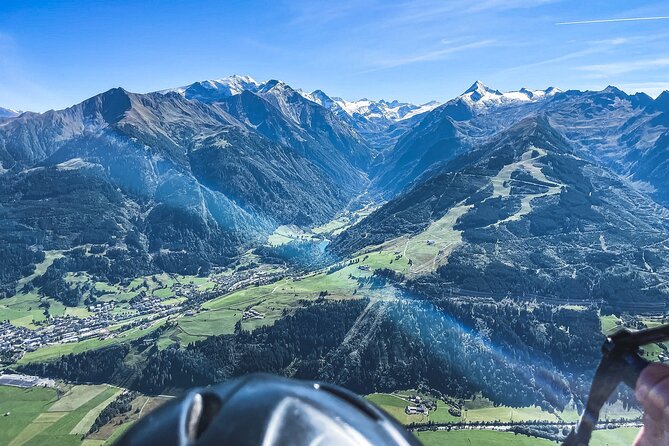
(318, 13)
(437, 54)
(598, 71)
(422, 11)
(506, 4)
(597, 48)
(553, 60)
(628, 19)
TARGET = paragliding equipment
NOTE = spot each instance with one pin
(261, 409)
(621, 362)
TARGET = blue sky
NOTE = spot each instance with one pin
(54, 53)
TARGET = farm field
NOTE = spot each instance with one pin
(343, 222)
(478, 438)
(287, 233)
(62, 416)
(24, 406)
(503, 413)
(141, 406)
(385, 256)
(614, 437)
(40, 416)
(609, 323)
(482, 410)
(395, 405)
(22, 310)
(28, 309)
(219, 316)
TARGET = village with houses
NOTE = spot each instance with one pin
(112, 318)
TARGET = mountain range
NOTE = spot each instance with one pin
(553, 193)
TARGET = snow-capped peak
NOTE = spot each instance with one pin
(480, 94)
(217, 88)
(319, 97)
(274, 85)
(237, 84)
(8, 113)
(479, 90)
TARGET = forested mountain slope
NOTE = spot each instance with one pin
(160, 181)
(524, 214)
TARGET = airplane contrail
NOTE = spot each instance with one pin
(629, 19)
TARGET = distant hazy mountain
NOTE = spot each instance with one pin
(647, 137)
(8, 113)
(383, 111)
(479, 95)
(380, 122)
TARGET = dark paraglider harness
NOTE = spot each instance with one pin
(261, 409)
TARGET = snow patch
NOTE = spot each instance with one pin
(74, 164)
(224, 87)
(642, 186)
(221, 143)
